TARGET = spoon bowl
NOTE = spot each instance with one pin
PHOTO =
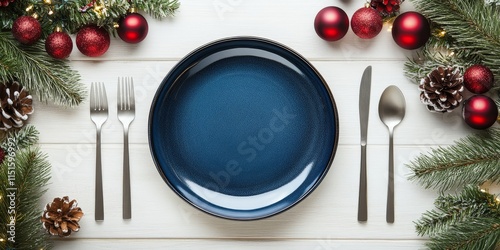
(391, 110)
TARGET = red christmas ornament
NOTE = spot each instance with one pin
(92, 40)
(411, 30)
(331, 23)
(478, 79)
(5, 3)
(133, 28)
(480, 112)
(366, 23)
(58, 45)
(27, 30)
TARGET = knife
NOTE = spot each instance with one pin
(364, 110)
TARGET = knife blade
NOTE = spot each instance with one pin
(364, 111)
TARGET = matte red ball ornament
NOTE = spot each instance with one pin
(366, 23)
(411, 30)
(27, 30)
(478, 79)
(133, 28)
(92, 40)
(480, 112)
(59, 45)
(331, 23)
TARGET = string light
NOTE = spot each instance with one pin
(29, 8)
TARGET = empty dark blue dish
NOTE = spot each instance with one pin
(243, 128)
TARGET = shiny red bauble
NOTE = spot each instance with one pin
(133, 28)
(92, 40)
(58, 45)
(480, 112)
(331, 23)
(411, 30)
(366, 23)
(27, 30)
(478, 79)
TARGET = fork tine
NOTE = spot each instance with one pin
(126, 93)
(120, 96)
(92, 96)
(132, 94)
(103, 101)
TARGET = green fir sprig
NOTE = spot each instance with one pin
(469, 220)
(474, 159)
(49, 79)
(28, 171)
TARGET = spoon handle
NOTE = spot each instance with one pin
(390, 189)
(362, 201)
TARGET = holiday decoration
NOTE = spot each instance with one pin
(92, 40)
(480, 112)
(331, 23)
(27, 30)
(441, 90)
(366, 23)
(16, 105)
(61, 217)
(58, 45)
(386, 7)
(5, 3)
(478, 79)
(411, 30)
(133, 28)
(32, 174)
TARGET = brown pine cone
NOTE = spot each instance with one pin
(15, 104)
(441, 90)
(61, 217)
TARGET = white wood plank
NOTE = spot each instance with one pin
(420, 127)
(216, 244)
(329, 212)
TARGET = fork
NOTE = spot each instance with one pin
(126, 114)
(99, 115)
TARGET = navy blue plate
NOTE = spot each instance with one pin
(243, 128)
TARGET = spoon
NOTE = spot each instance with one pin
(391, 110)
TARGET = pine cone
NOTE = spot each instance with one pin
(61, 217)
(386, 7)
(16, 104)
(441, 90)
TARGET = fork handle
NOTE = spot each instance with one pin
(99, 203)
(127, 203)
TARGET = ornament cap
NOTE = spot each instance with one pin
(58, 29)
(132, 9)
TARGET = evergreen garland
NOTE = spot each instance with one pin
(466, 32)
(51, 79)
(27, 170)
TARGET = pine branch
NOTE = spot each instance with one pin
(32, 173)
(473, 234)
(453, 209)
(43, 76)
(473, 33)
(158, 8)
(474, 159)
(24, 138)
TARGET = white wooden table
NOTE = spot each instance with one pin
(324, 220)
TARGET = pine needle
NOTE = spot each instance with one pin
(474, 159)
(32, 173)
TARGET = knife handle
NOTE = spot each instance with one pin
(362, 200)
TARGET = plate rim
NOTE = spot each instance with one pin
(269, 42)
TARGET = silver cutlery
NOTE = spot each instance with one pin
(391, 110)
(99, 115)
(364, 110)
(126, 114)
